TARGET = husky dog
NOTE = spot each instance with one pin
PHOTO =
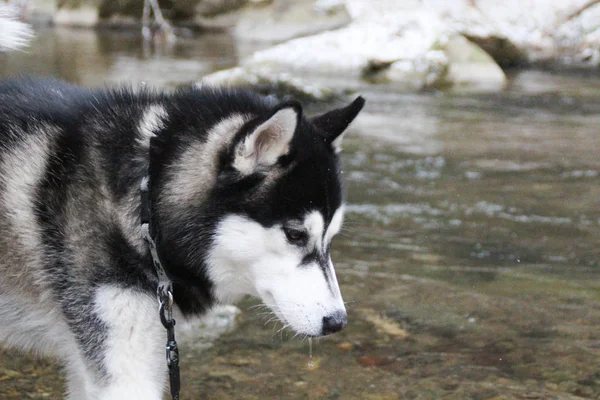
(247, 198)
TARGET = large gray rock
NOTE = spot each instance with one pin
(410, 50)
(443, 44)
(78, 13)
(287, 19)
(249, 20)
(363, 49)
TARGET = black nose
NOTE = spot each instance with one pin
(334, 323)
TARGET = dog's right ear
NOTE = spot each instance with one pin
(270, 140)
(335, 122)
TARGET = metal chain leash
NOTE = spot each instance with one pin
(172, 351)
(164, 291)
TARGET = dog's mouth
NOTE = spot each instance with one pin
(303, 323)
(269, 300)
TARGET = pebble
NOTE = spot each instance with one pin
(346, 346)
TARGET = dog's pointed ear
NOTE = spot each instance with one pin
(268, 141)
(335, 122)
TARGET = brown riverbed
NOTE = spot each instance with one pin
(469, 260)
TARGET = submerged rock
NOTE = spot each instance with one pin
(202, 332)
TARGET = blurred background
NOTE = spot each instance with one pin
(469, 258)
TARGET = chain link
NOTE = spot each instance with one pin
(172, 351)
(164, 290)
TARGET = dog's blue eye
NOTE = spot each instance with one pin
(295, 236)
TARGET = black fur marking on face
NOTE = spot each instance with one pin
(312, 182)
(320, 259)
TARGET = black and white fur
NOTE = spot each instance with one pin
(247, 197)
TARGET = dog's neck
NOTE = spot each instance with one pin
(189, 290)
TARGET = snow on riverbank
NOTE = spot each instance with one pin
(415, 45)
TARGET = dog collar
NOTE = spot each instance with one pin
(164, 290)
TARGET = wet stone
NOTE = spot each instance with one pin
(346, 346)
(374, 361)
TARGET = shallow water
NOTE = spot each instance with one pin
(469, 259)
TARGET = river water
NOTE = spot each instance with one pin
(469, 259)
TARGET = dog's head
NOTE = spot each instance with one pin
(264, 224)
